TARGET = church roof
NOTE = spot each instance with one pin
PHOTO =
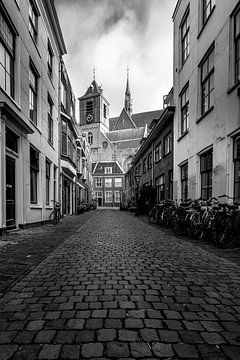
(125, 134)
(93, 89)
(139, 119)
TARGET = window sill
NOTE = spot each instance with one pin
(204, 25)
(32, 123)
(205, 114)
(232, 88)
(10, 98)
(51, 144)
(36, 206)
(183, 134)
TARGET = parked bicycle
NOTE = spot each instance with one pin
(56, 213)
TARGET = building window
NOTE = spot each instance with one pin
(158, 152)
(149, 161)
(108, 182)
(98, 182)
(64, 138)
(104, 111)
(206, 175)
(184, 181)
(144, 165)
(108, 170)
(89, 107)
(33, 93)
(34, 170)
(237, 45)
(55, 183)
(160, 185)
(63, 95)
(236, 159)
(184, 98)
(50, 60)
(184, 29)
(207, 81)
(6, 57)
(207, 7)
(90, 138)
(50, 120)
(108, 196)
(170, 184)
(11, 140)
(117, 196)
(48, 176)
(118, 182)
(33, 20)
(168, 143)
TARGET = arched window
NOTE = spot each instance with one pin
(90, 138)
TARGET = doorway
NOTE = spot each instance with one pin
(10, 193)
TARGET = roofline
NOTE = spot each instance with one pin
(176, 9)
(53, 17)
(170, 110)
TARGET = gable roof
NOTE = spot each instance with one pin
(93, 90)
(98, 168)
(124, 121)
(138, 119)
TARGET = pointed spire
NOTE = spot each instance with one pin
(128, 99)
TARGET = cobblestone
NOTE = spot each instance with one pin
(119, 294)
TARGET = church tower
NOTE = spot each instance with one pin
(128, 98)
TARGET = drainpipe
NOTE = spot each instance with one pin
(59, 131)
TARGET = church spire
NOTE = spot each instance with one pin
(128, 99)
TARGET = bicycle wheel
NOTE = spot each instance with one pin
(166, 217)
(176, 225)
(51, 216)
(196, 226)
(222, 230)
(153, 215)
(56, 217)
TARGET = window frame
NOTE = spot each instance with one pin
(117, 197)
(168, 140)
(33, 25)
(206, 174)
(50, 120)
(98, 182)
(48, 180)
(205, 4)
(117, 183)
(34, 174)
(90, 138)
(108, 170)
(184, 36)
(109, 197)
(207, 79)
(160, 187)
(149, 161)
(50, 58)
(108, 182)
(236, 40)
(184, 181)
(33, 93)
(184, 108)
(8, 48)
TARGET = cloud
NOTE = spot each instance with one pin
(114, 34)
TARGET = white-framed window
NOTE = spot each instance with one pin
(108, 182)
(33, 93)
(184, 100)
(117, 196)
(118, 182)
(168, 143)
(48, 181)
(7, 50)
(108, 196)
(33, 20)
(34, 173)
(108, 170)
(207, 80)
(184, 34)
(98, 182)
(50, 120)
(98, 194)
(160, 187)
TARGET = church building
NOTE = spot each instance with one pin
(114, 141)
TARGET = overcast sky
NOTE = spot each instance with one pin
(112, 35)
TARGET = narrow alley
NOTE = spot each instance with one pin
(120, 288)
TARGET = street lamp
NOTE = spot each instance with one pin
(137, 177)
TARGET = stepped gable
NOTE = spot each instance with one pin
(98, 168)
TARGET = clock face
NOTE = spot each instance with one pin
(89, 118)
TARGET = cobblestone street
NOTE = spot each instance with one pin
(118, 288)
